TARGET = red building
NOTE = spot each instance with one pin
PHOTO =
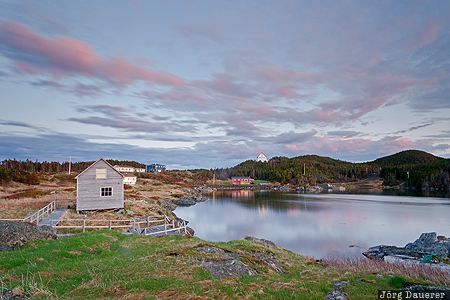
(241, 180)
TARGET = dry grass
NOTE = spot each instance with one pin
(420, 272)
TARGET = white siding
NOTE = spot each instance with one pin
(89, 188)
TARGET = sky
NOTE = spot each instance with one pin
(207, 84)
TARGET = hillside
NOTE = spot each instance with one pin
(308, 169)
(408, 157)
(415, 170)
(110, 265)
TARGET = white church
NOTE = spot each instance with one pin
(261, 158)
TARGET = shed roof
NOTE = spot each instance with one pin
(101, 159)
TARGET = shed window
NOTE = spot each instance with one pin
(106, 191)
(100, 173)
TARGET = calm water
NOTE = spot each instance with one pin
(324, 225)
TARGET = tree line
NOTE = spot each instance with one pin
(28, 171)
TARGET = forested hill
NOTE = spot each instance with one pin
(424, 169)
(409, 157)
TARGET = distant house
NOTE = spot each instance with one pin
(124, 169)
(100, 186)
(241, 180)
(156, 168)
(262, 157)
(129, 179)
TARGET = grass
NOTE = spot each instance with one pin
(419, 272)
(111, 265)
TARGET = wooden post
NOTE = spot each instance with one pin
(110, 224)
(165, 225)
(185, 228)
(148, 221)
(84, 225)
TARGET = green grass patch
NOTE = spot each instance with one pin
(107, 264)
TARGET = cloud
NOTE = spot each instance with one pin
(291, 137)
(32, 53)
(343, 133)
(120, 118)
(413, 128)
(16, 124)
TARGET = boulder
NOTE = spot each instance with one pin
(14, 235)
(228, 268)
(379, 252)
(427, 248)
(225, 264)
(429, 243)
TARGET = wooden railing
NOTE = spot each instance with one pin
(177, 225)
(85, 224)
(41, 214)
(146, 226)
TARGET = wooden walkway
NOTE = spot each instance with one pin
(53, 218)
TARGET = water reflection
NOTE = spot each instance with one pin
(317, 225)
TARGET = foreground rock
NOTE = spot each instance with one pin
(428, 248)
(337, 293)
(15, 294)
(223, 264)
(14, 235)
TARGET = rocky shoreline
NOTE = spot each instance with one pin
(193, 197)
(429, 249)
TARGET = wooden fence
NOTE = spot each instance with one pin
(37, 216)
(177, 225)
(145, 226)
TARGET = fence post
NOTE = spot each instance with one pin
(148, 221)
(110, 224)
(165, 225)
(84, 225)
(185, 228)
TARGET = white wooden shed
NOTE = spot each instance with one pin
(100, 186)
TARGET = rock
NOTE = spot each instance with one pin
(336, 295)
(14, 235)
(228, 268)
(169, 205)
(192, 197)
(186, 201)
(269, 260)
(428, 243)
(14, 294)
(228, 264)
(379, 252)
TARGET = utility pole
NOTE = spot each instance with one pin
(70, 164)
(304, 169)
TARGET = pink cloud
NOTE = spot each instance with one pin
(33, 53)
(430, 34)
